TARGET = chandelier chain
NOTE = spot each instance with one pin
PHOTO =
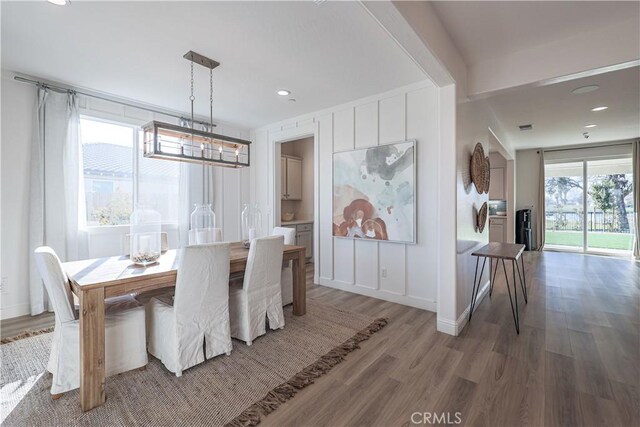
(192, 97)
(211, 99)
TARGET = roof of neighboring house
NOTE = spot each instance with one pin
(112, 160)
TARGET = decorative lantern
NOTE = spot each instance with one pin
(251, 224)
(145, 230)
(203, 224)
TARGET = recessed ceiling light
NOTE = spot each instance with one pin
(283, 92)
(292, 100)
(599, 108)
(59, 2)
(525, 127)
(591, 125)
(585, 89)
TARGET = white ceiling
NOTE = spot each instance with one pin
(326, 54)
(559, 116)
(491, 29)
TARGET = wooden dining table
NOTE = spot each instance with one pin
(93, 280)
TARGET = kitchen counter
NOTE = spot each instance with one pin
(498, 216)
(297, 222)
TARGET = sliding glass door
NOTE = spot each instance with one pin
(610, 218)
(589, 206)
(564, 206)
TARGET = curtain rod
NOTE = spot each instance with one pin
(586, 147)
(104, 98)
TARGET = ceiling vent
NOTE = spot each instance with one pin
(526, 127)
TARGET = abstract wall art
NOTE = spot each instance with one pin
(374, 193)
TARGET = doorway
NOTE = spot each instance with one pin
(297, 190)
(589, 206)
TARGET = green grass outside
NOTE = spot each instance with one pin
(620, 241)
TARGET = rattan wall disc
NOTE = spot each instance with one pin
(476, 167)
(482, 217)
(486, 170)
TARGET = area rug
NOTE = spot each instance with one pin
(231, 390)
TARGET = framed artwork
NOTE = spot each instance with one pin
(374, 193)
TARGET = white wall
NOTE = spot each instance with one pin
(475, 123)
(18, 103)
(355, 265)
(527, 178)
(231, 189)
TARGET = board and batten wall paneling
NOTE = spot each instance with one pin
(324, 185)
(366, 125)
(422, 110)
(356, 265)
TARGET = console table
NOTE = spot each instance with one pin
(500, 252)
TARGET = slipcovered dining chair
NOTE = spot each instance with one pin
(204, 237)
(286, 276)
(125, 344)
(198, 314)
(126, 242)
(258, 296)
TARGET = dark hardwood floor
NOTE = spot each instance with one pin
(575, 362)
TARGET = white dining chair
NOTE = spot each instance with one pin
(198, 314)
(258, 296)
(286, 276)
(126, 242)
(206, 236)
(125, 344)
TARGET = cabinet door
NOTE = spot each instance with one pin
(305, 238)
(283, 178)
(496, 184)
(496, 230)
(294, 179)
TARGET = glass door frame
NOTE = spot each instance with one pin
(585, 215)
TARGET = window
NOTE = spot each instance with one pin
(107, 156)
(117, 176)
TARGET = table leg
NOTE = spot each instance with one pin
(476, 287)
(523, 284)
(300, 284)
(516, 315)
(92, 363)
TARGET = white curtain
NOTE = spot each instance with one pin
(56, 211)
(191, 193)
(636, 197)
(540, 215)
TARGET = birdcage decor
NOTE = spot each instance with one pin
(145, 231)
(173, 142)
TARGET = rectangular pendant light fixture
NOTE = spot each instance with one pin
(185, 144)
(172, 142)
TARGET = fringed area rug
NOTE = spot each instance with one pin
(227, 390)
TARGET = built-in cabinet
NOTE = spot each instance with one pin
(290, 178)
(304, 237)
(496, 185)
(497, 229)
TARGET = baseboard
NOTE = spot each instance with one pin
(422, 303)
(455, 327)
(15, 311)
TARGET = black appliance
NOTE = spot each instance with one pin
(523, 228)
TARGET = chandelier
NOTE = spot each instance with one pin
(187, 144)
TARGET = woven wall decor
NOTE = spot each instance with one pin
(476, 167)
(482, 218)
(486, 170)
